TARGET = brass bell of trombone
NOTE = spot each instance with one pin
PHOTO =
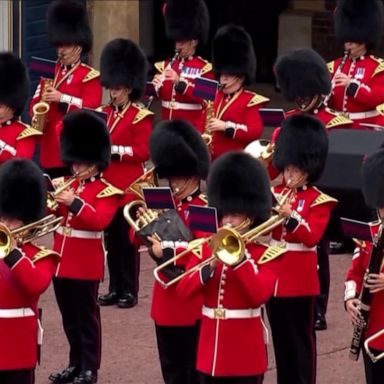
(26, 233)
(261, 149)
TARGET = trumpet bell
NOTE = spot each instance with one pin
(228, 246)
(5, 241)
(260, 149)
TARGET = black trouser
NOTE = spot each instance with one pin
(24, 376)
(123, 259)
(177, 348)
(324, 276)
(80, 312)
(206, 379)
(374, 372)
(294, 339)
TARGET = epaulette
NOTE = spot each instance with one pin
(203, 197)
(207, 67)
(331, 66)
(160, 66)
(141, 113)
(256, 100)
(109, 190)
(338, 120)
(322, 199)
(380, 109)
(271, 253)
(92, 74)
(27, 132)
(380, 65)
(44, 252)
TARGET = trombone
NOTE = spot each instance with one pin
(373, 357)
(26, 233)
(228, 245)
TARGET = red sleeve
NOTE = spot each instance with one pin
(33, 277)
(91, 95)
(256, 282)
(359, 263)
(310, 230)
(371, 94)
(140, 149)
(251, 127)
(98, 216)
(25, 148)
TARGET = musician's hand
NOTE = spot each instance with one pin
(171, 74)
(341, 80)
(156, 246)
(216, 125)
(213, 264)
(157, 81)
(375, 282)
(352, 306)
(52, 95)
(66, 197)
(285, 210)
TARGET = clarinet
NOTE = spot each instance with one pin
(169, 66)
(374, 266)
(338, 70)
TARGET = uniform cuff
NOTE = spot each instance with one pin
(181, 86)
(14, 256)
(352, 89)
(206, 273)
(76, 206)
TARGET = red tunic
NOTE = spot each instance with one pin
(82, 83)
(232, 346)
(168, 308)
(365, 93)
(298, 266)
(24, 275)
(192, 108)
(130, 130)
(80, 240)
(17, 140)
(241, 111)
(356, 274)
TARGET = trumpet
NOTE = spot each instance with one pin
(41, 109)
(228, 245)
(26, 233)
(373, 357)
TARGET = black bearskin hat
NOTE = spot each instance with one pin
(123, 63)
(68, 23)
(359, 21)
(233, 53)
(178, 150)
(302, 142)
(186, 20)
(238, 183)
(373, 179)
(14, 82)
(23, 194)
(302, 73)
(85, 139)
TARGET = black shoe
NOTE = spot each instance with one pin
(66, 376)
(109, 299)
(320, 323)
(127, 300)
(86, 377)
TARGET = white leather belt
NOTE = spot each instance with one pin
(70, 232)
(177, 105)
(360, 115)
(16, 312)
(222, 313)
(291, 246)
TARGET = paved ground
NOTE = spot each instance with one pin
(129, 348)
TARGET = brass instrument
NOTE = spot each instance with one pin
(207, 135)
(146, 180)
(26, 233)
(261, 149)
(40, 109)
(372, 356)
(228, 245)
(51, 197)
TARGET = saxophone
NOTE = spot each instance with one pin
(207, 135)
(40, 109)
